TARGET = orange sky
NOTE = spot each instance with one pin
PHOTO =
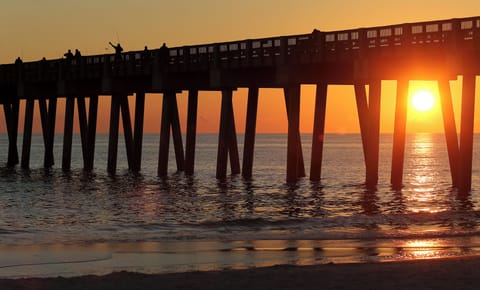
(34, 29)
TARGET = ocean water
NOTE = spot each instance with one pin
(337, 218)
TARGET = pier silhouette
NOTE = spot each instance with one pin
(435, 50)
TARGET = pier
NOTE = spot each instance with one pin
(436, 50)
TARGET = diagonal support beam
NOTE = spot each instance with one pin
(47, 116)
(170, 119)
(292, 101)
(227, 139)
(88, 129)
(127, 129)
(451, 135)
(176, 134)
(233, 144)
(362, 110)
(466, 133)
(369, 118)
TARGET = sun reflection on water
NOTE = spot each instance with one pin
(423, 249)
(424, 174)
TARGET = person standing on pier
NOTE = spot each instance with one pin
(164, 54)
(68, 54)
(118, 51)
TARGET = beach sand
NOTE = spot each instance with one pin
(450, 273)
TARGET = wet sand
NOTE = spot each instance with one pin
(452, 273)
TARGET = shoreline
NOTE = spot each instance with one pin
(102, 258)
(444, 273)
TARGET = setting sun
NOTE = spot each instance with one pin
(423, 100)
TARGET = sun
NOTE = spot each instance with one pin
(423, 100)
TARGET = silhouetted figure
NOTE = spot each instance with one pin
(77, 58)
(164, 54)
(68, 55)
(316, 37)
(164, 47)
(118, 51)
(145, 54)
(19, 65)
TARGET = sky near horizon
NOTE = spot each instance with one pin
(34, 29)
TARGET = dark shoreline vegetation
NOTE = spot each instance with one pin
(453, 273)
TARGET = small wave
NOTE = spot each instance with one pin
(13, 232)
(250, 223)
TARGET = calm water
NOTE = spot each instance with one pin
(49, 206)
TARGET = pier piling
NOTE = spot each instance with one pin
(113, 135)
(127, 130)
(170, 119)
(88, 128)
(450, 129)
(11, 112)
(295, 165)
(399, 134)
(48, 116)
(191, 132)
(318, 131)
(227, 139)
(177, 134)
(138, 130)
(27, 133)
(68, 133)
(373, 133)
(466, 132)
(250, 129)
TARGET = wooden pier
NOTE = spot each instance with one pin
(436, 50)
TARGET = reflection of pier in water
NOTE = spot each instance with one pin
(436, 50)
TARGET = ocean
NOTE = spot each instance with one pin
(335, 220)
